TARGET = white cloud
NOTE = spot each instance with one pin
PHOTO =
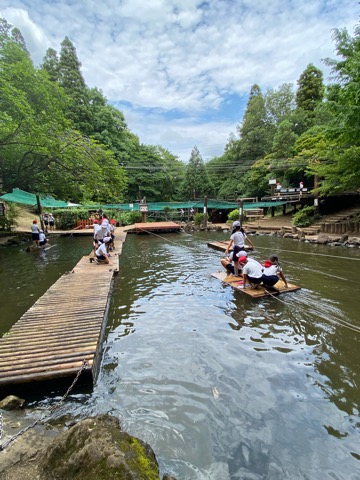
(184, 55)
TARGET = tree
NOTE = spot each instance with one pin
(196, 183)
(73, 83)
(310, 89)
(256, 131)
(280, 103)
(51, 64)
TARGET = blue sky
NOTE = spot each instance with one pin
(181, 70)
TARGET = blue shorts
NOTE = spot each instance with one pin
(270, 280)
(254, 280)
(100, 257)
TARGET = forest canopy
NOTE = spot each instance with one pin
(59, 136)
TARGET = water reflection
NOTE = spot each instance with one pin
(223, 386)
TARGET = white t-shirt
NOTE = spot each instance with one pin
(101, 250)
(238, 238)
(253, 269)
(42, 237)
(272, 270)
(35, 228)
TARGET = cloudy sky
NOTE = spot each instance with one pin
(181, 70)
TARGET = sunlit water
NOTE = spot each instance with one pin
(220, 385)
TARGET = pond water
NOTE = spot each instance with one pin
(221, 386)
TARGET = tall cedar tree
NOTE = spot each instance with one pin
(73, 83)
(51, 64)
(256, 132)
(197, 183)
(310, 89)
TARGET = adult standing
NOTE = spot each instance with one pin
(51, 222)
(35, 233)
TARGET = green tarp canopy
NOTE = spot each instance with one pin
(160, 206)
(26, 198)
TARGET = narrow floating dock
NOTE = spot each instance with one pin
(62, 329)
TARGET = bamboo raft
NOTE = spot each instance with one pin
(237, 284)
(62, 329)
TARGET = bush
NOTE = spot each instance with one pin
(305, 217)
(234, 215)
(129, 218)
(8, 222)
(199, 218)
(65, 219)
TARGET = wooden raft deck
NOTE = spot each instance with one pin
(64, 327)
(156, 227)
(237, 284)
(222, 246)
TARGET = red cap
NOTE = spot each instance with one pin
(113, 221)
(96, 221)
(242, 259)
(267, 263)
(34, 221)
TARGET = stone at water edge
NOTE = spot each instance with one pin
(11, 402)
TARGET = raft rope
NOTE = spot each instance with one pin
(310, 253)
(85, 365)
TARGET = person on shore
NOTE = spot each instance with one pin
(45, 218)
(42, 239)
(272, 271)
(237, 238)
(102, 254)
(51, 222)
(112, 226)
(252, 272)
(278, 188)
(301, 187)
(35, 233)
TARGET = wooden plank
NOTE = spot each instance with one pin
(222, 246)
(237, 284)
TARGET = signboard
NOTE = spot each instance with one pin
(2, 209)
(272, 182)
(144, 208)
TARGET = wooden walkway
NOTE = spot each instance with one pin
(63, 328)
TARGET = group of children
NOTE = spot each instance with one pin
(252, 271)
(104, 236)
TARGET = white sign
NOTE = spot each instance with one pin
(272, 182)
(144, 208)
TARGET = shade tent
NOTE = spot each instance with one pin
(211, 205)
(26, 198)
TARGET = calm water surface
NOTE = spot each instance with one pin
(220, 385)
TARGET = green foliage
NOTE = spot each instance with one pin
(305, 217)
(9, 220)
(199, 218)
(311, 89)
(196, 183)
(66, 218)
(129, 218)
(233, 215)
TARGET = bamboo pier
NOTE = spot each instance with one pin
(64, 328)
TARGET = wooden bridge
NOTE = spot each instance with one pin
(62, 329)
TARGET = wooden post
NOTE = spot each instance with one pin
(40, 213)
(241, 212)
(205, 212)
